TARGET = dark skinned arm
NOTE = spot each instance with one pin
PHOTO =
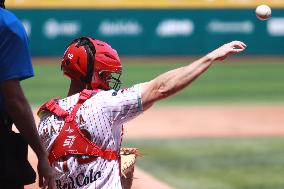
(20, 112)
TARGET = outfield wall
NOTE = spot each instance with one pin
(155, 31)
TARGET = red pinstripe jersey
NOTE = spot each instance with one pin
(101, 118)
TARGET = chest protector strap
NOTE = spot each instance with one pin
(71, 141)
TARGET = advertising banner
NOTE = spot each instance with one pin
(144, 32)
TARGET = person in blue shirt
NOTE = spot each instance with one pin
(15, 65)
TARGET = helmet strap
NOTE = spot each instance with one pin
(91, 51)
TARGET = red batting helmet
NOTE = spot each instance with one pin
(93, 62)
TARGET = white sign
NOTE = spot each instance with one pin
(275, 27)
(120, 27)
(175, 27)
(222, 27)
(52, 28)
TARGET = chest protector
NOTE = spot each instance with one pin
(71, 141)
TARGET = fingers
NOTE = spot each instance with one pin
(237, 50)
(46, 182)
(227, 49)
(40, 182)
(238, 45)
(51, 183)
(46, 174)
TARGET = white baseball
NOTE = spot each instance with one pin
(263, 12)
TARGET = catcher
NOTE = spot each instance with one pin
(83, 132)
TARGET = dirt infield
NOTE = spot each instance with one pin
(199, 121)
(208, 121)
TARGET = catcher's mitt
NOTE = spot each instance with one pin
(128, 160)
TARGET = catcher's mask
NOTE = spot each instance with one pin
(93, 62)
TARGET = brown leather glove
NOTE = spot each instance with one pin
(128, 160)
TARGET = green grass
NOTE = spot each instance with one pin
(48, 82)
(235, 81)
(232, 163)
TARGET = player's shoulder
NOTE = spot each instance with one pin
(12, 26)
(112, 93)
(9, 19)
(69, 99)
(99, 95)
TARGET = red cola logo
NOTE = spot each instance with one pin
(79, 181)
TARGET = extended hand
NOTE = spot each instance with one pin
(227, 49)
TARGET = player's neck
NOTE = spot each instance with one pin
(75, 87)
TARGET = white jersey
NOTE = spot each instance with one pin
(101, 118)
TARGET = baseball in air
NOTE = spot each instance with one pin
(263, 12)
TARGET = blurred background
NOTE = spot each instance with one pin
(145, 27)
(231, 119)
